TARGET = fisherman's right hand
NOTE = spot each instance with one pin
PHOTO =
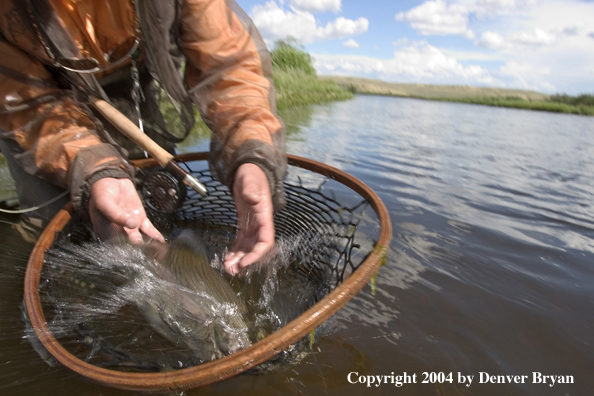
(253, 201)
(115, 209)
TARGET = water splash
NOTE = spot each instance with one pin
(114, 305)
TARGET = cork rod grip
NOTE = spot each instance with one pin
(130, 130)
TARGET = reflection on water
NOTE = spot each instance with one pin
(297, 118)
(491, 261)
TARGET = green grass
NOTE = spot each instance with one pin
(288, 56)
(296, 88)
(296, 85)
(519, 103)
(501, 97)
(581, 100)
(296, 81)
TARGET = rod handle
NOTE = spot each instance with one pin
(130, 130)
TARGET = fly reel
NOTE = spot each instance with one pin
(163, 191)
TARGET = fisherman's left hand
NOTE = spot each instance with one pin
(115, 209)
(253, 201)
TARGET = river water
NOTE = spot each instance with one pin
(491, 270)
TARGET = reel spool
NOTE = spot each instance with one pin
(163, 191)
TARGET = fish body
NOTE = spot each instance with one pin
(201, 310)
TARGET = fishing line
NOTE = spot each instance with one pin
(31, 209)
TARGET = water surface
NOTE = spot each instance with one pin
(491, 267)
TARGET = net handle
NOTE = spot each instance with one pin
(230, 365)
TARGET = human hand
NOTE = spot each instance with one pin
(115, 209)
(253, 201)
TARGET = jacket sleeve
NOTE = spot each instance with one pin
(50, 134)
(230, 77)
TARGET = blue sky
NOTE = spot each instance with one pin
(541, 45)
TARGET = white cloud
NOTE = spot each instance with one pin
(473, 56)
(441, 17)
(546, 45)
(574, 29)
(515, 68)
(418, 62)
(438, 18)
(351, 44)
(275, 23)
(532, 38)
(527, 75)
(535, 37)
(343, 27)
(316, 5)
(491, 40)
(492, 8)
(423, 63)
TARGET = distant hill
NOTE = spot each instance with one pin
(378, 87)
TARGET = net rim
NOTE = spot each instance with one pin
(238, 362)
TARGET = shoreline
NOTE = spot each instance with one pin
(497, 97)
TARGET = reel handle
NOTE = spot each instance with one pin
(130, 130)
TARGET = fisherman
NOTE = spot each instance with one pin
(137, 55)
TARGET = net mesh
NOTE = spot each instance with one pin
(331, 229)
(313, 212)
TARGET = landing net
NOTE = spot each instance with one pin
(333, 234)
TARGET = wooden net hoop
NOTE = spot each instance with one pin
(236, 363)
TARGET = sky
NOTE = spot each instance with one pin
(541, 45)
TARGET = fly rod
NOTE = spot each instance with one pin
(130, 130)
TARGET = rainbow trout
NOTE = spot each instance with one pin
(203, 313)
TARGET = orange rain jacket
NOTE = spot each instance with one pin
(51, 132)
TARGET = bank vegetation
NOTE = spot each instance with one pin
(514, 98)
(295, 81)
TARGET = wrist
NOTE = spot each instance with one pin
(114, 173)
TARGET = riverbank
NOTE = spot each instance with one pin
(295, 88)
(500, 97)
(295, 81)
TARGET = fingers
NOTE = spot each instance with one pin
(232, 260)
(139, 225)
(245, 253)
(134, 235)
(254, 211)
(238, 251)
(259, 250)
(115, 203)
(148, 229)
(135, 225)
